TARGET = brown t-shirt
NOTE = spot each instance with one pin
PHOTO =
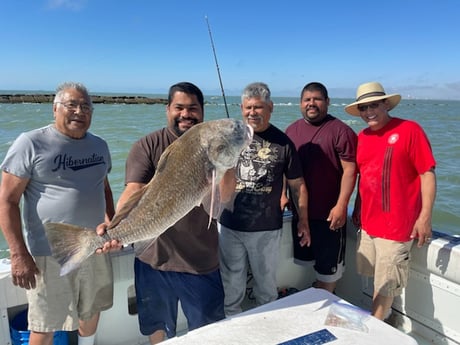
(188, 246)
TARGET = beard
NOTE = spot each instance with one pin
(177, 121)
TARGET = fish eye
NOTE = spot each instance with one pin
(220, 148)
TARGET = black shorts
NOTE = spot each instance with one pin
(327, 247)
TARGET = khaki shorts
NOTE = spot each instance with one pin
(58, 303)
(385, 260)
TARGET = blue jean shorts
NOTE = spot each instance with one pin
(158, 292)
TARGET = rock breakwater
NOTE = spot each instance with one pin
(48, 98)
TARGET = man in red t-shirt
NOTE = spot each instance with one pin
(396, 192)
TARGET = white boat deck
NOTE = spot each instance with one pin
(301, 315)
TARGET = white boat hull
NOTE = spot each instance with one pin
(427, 310)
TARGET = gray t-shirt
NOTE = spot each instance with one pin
(66, 181)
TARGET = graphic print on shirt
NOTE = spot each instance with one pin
(386, 172)
(255, 173)
(393, 139)
(62, 161)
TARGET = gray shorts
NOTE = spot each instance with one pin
(58, 303)
(385, 260)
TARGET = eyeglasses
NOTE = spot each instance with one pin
(372, 106)
(72, 106)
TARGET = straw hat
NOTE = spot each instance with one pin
(370, 92)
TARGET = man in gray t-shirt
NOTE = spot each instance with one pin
(61, 172)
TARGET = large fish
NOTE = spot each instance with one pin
(187, 175)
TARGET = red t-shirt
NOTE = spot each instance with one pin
(390, 162)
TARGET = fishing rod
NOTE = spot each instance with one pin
(217, 66)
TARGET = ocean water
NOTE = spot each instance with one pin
(120, 125)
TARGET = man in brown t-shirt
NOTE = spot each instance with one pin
(181, 264)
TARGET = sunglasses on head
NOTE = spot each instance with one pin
(374, 105)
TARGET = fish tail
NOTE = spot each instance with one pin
(70, 244)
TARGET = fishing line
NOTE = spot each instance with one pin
(217, 66)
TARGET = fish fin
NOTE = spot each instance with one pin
(211, 202)
(70, 244)
(131, 203)
(164, 158)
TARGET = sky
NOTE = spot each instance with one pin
(411, 47)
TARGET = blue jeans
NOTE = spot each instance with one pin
(158, 293)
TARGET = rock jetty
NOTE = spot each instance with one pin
(48, 98)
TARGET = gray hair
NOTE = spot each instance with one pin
(256, 90)
(61, 89)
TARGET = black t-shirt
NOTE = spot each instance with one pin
(259, 174)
